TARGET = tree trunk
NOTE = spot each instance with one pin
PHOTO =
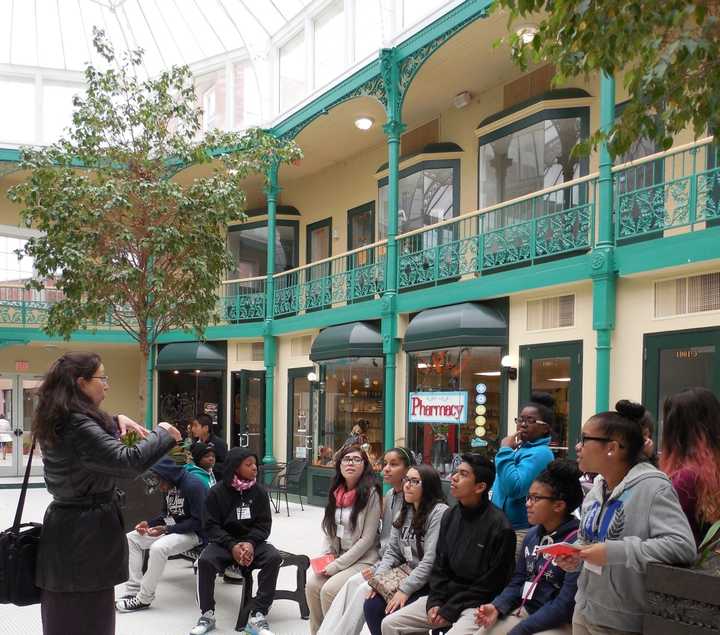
(143, 396)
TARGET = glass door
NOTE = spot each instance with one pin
(298, 416)
(674, 361)
(361, 232)
(555, 369)
(17, 407)
(248, 411)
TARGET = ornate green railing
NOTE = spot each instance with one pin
(350, 277)
(242, 300)
(555, 222)
(667, 190)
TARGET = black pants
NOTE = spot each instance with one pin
(91, 613)
(215, 559)
(374, 610)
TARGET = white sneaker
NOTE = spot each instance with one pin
(205, 624)
(258, 625)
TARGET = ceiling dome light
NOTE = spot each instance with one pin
(364, 123)
(527, 33)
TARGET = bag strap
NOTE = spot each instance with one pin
(23, 492)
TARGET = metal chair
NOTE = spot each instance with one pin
(268, 476)
(290, 479)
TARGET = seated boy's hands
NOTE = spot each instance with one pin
(160, 530)
(486, 615)
(435, 619)
(243, 553)
(142, 527)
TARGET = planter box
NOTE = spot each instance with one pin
(138, 504)
(682, 601)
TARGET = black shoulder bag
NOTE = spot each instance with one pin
(18, 554)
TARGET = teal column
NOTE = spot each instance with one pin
(149, 387)
(269, 342)
(603, 271)
(393, 129)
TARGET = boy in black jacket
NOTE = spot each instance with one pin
(237, 522)
(177, 529)
(474, 560)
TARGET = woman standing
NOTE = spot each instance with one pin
(83, 552)
(346, 612)
(350, 530)
(630, 517)
(691, 454)
(412, 541)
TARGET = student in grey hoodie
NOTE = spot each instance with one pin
(412, 541)
(630, 517)
(346, 611)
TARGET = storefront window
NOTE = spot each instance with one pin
(350, 401)
(464, 415)
(427, 195)
(248, 245)
(182, 394)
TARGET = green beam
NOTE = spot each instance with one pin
(150, 390)
(493, 285)
(38, 335)
(603, 271)
(368, 310)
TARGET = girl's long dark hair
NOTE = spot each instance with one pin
(59, 396)
(367, 483)
(432, 494)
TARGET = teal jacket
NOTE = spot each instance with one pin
(207, 478)
(515, 472)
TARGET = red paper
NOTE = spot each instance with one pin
(319, 563)
(559, 549)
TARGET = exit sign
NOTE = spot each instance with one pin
(21, 365)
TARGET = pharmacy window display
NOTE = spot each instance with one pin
(349, 402)
(454, 404)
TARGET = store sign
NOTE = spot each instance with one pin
(438, 407)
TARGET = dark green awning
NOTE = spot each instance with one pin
(192, 356)
(357, 339)
(466, 324)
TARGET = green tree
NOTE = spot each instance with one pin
(121, 238)
(669, 50)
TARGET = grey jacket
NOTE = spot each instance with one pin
(640, 521)
(364, 539)
(402, 541)
(391, 506)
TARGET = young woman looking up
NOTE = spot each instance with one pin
(691, 455)
(350, 530)
(630, 517)
(346, 612)
(412, 541)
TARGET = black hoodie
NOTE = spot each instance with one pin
(231, 516)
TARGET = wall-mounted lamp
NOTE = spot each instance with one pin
(312, 376)
(509, 363)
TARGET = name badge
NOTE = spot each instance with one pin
(243, 512)
(529, 590)
(169, 521)
(340, 531)
(407, 553)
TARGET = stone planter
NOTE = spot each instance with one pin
(682, 601)
(138, 505)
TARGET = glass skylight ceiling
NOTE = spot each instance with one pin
(253, 60)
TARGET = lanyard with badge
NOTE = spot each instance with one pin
(243, 512)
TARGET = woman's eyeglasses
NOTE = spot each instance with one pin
(412, 482)
(103, 379)
(529, 420)
(584, 438)
(352, 460)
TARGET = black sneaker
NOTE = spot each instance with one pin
(130, 605)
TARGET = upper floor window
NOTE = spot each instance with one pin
(368, 28)
(292, 72)
(329, 44)
(428, 194)
(248, 245)
(14, 270)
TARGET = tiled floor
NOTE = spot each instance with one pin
(174, 611)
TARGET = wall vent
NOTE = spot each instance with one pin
(691, 294)
(551, 313)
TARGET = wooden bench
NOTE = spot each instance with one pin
(235, 574)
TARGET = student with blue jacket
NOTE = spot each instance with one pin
(521, 458)
(540, 598)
